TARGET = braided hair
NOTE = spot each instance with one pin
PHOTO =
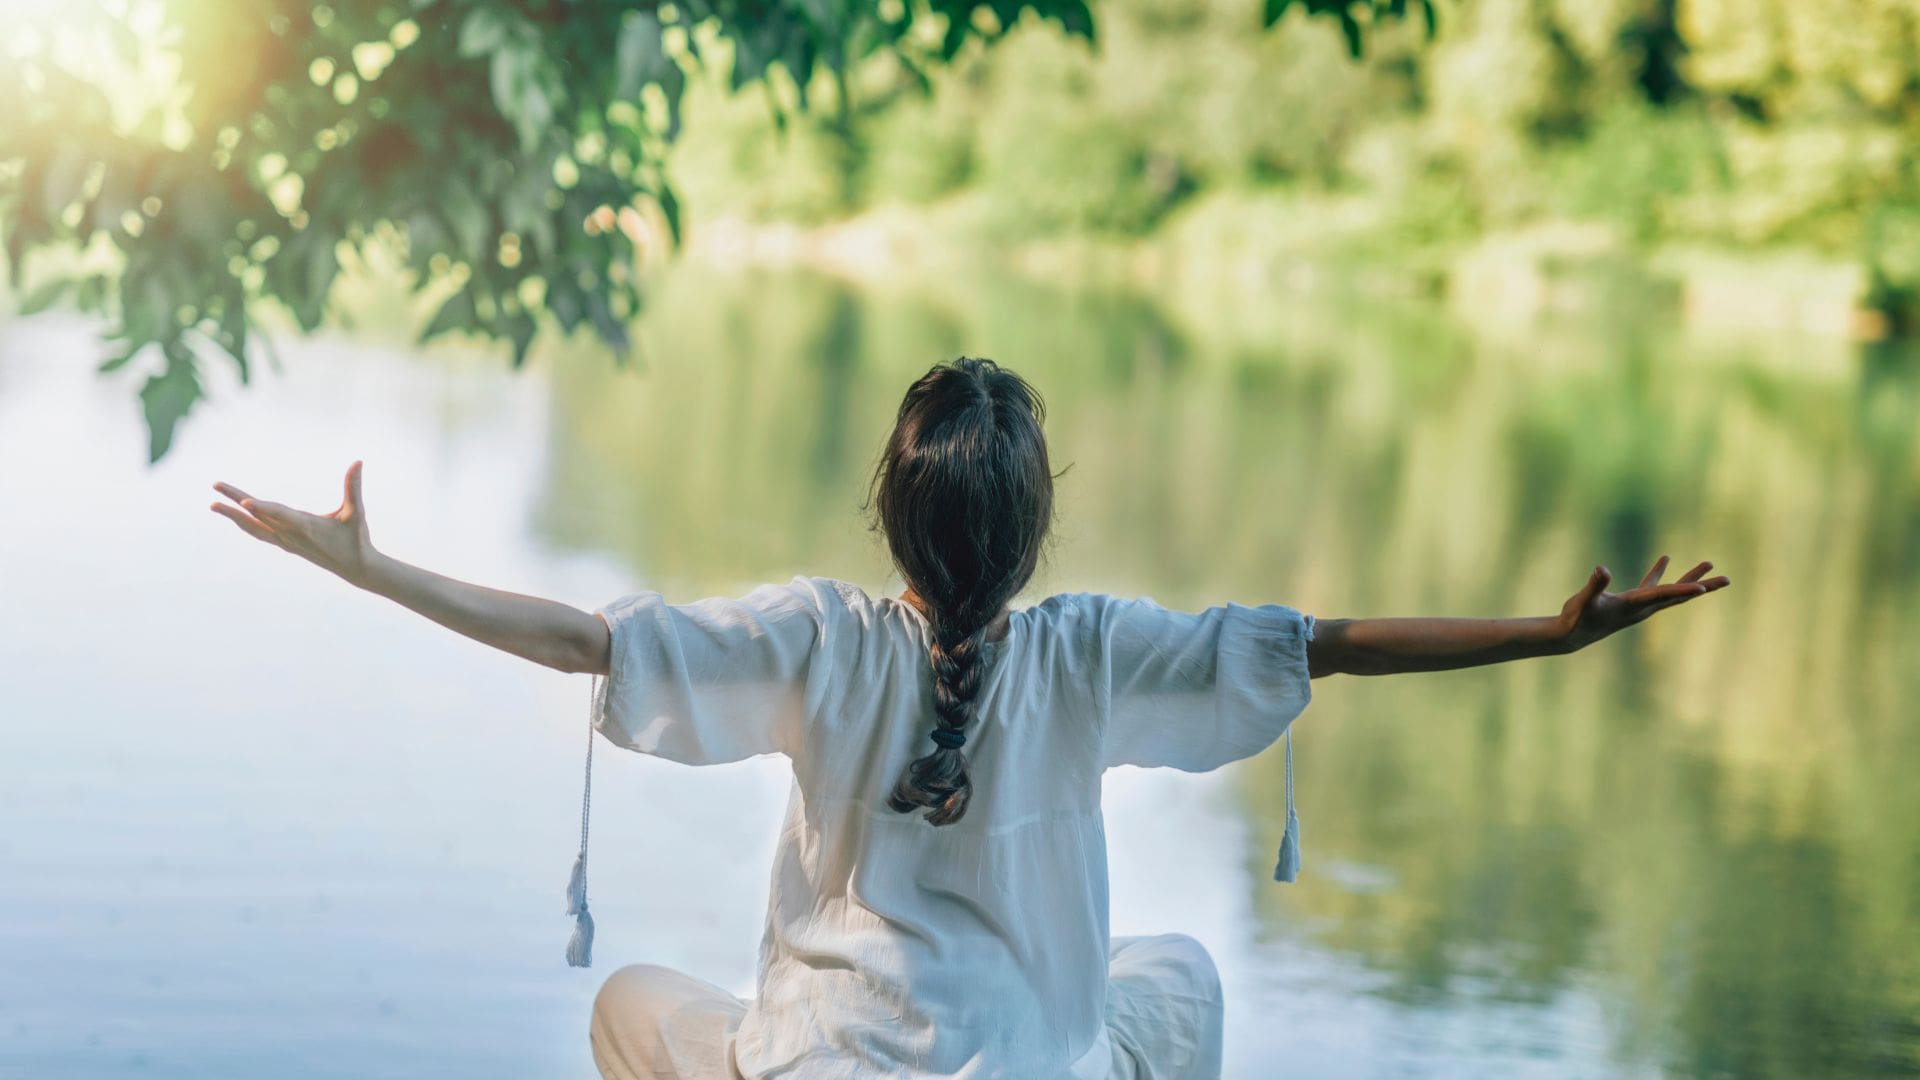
(964, 493)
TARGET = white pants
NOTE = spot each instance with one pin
(1164, 1014)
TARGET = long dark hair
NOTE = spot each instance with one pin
(964, 494)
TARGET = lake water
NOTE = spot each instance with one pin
(255, 824)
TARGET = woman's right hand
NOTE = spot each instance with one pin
(337, 541)
(1594, 613)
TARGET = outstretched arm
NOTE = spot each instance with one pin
(543, 631)
(1391, 646)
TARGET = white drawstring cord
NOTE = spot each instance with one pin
(1288, 866)
(580, 946)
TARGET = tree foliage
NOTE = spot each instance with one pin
(213, 157)
(1681, 132)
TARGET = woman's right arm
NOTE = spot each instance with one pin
(1394, 646)
(544, 631)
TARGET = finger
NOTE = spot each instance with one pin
(1662, 605)
(1596, 584)
(231, 492)
(1645, 606)
(1676, 588)
(1653, 594)
(351, 498)
(269, 512)
(1665, 596)
(247, 524)
(1653, 575)
(289, 523)
(1695, 573)
(1645, 613)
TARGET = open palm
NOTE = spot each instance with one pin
(337, 541)
(1593, 613)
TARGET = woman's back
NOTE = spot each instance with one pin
(979, 948)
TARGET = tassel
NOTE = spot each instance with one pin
(580, 946)
(577, 886)
(1287, 867)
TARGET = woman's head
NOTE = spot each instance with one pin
(964, 495)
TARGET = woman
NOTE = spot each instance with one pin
(939, 897)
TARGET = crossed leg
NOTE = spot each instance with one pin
(1164, 1017)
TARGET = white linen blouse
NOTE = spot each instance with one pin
(977, 949)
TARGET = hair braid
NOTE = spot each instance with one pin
(939, 780)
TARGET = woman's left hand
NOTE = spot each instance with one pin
(1593, 613)
(338, 541)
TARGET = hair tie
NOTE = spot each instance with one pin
(949, 740)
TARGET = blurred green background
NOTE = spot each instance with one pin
(1428, 331)
(1740, 162)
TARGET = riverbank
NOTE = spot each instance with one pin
(1245, 247)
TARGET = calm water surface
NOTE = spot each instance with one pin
(255, 824)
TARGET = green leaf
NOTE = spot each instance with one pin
(146, 306)
(750, 60)
(956, 36)
(507, 81)
(673, 83)
(115, 363)
(670, 209)
(91, 294)
(607, 326)
(817, 15)
(27, 227)
(1076, 18)
(166, 398)
(486, 31)
(919, 74)
(427, 235)
(64, 180)
(564, 301)
(314, 267)
(774, 108)
(119, 193)
(526, 88)
(45, 296)
(526, 92)
(639, 55)
(467, 218)
(523, 210)
(233, 336)
(1351, 28)
(457, 314)
(520, 328)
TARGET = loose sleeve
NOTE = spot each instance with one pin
(1195, 690)
(715, 680)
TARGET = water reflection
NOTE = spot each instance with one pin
(1705, 827)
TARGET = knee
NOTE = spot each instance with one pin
(647, 1018)
(1173, 961)
(633, 992)
(1191, 959)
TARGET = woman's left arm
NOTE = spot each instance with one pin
(1391, 646)
(546, 632)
